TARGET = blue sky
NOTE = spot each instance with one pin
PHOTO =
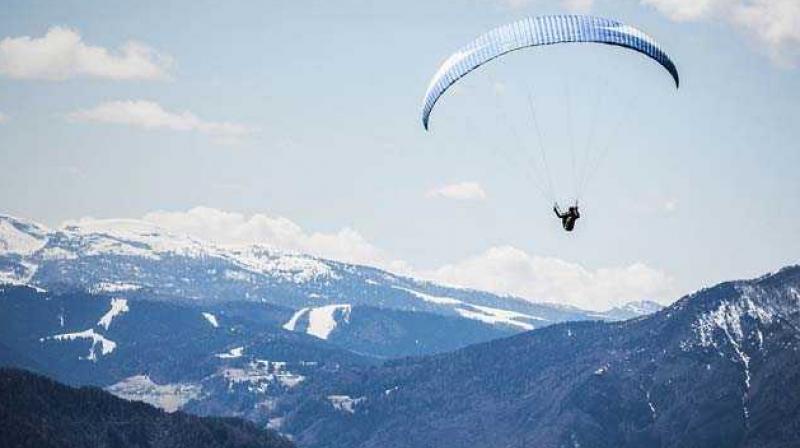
(296, 124)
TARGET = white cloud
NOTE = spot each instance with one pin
(513, 271)
(150, 115)
(276, 231)
(61, 54)
(774, 24)
(462, 191)
(504, 270)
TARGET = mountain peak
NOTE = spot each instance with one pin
(739, 313)
(20, 236)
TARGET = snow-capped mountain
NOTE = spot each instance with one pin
(631, 310)
(718, 368)
(143, 260)
(20, 237)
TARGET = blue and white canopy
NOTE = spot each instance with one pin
(537, 31)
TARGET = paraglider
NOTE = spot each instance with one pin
(569, 217)
(537, 32)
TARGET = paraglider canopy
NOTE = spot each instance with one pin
(538, 31)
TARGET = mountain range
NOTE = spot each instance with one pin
(339, 355)
(361, 308)
(234, 331)
(719, 368)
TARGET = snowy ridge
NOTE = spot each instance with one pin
(139, 239)
(729, 316)
(641, 307)
(291, 267)
(739, 323)
(17, 236)
(133, 237)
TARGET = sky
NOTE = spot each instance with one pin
(296, 124)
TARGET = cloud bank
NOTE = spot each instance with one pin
(510, 270)
(61, 54)
(462, 191)
(230, 228)
(150, 115)
(504, 270)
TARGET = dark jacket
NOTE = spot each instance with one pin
(568, 219)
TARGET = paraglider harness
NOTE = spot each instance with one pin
(569, 217)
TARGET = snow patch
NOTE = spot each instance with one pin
(275, 423)
(11, 278)
(239, 276)
(233, 353)
(106, 287)
(291, 324)
(496, 316)
(169, 397)
(212, 319)
(345, 403)
(106, 346)
(439, 300)
(391, 390)
(322, 320)
(118, 306)
(651, 405)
